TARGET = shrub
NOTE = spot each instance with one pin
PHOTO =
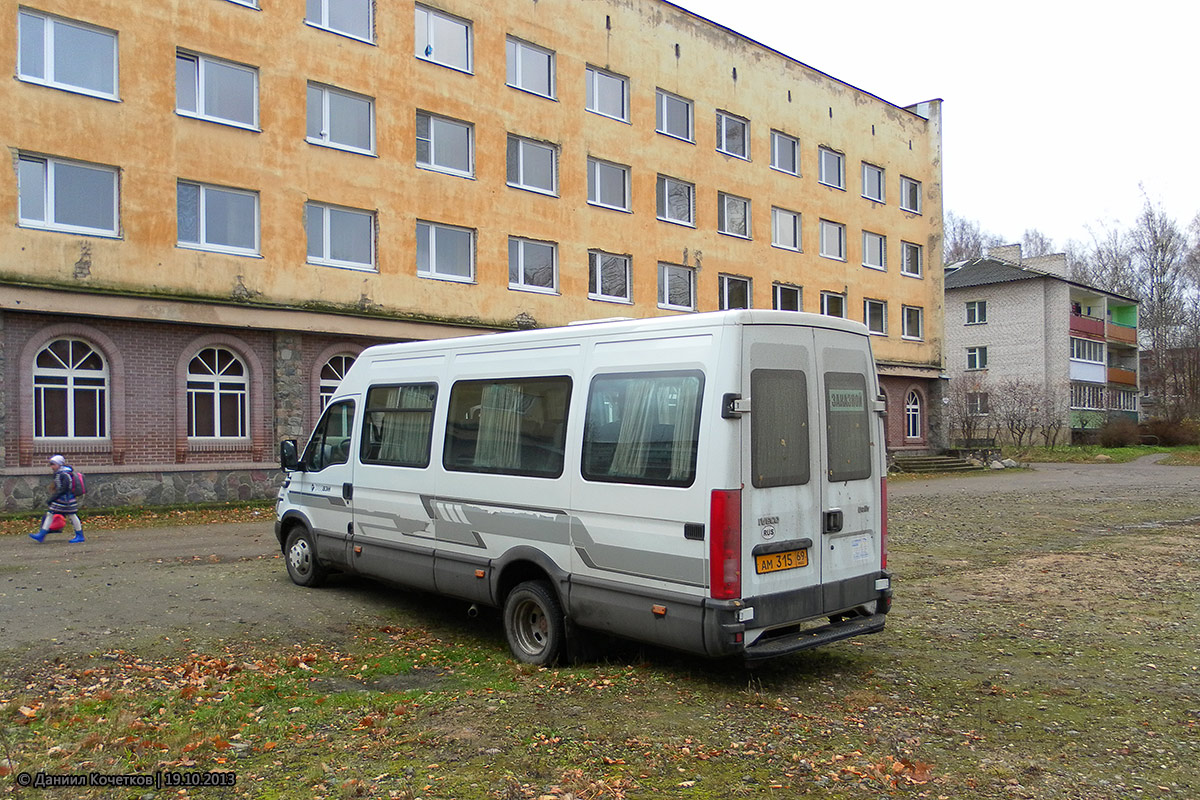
(1119, 432)
(1171, 434)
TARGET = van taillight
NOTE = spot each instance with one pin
(883, 524)
(725, 544)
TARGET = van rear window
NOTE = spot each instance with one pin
(847, 426)
(643, 428)
(398, 425)
(514, 426)
(779, 453)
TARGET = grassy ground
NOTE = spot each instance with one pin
(1189, 456)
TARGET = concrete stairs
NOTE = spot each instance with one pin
(926, 463)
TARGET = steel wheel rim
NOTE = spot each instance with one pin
(531, 626)
(300, 557)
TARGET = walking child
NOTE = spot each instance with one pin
(62, 501)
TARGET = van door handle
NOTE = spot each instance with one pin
(347, 491)
(833, 521)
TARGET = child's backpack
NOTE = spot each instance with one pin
(78, 487)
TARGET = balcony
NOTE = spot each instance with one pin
(1092, 326)
(1125, 376)
(1121, 333)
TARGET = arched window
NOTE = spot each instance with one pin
(331, 375)
(70, 391)
(217, 395)
(912, 416)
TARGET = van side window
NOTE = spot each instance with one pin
(643, 428)
(848, 426)
(513, 426)
(779, 428)
(330, 442)
(398, 425)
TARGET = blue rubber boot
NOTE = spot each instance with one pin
(37, 537)
(77, 539)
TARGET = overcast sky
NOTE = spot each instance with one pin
(1054, 110)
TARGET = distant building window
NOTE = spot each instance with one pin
(833, 240)
(832, 168)
(217, 218)
(785, 153)
(833, 304)
(912, 258)
(336, 118)
(340, 237)
(1087, 350)
(733, 215)
(445, 145)
(676, 201)
(530, 67)
(733, 135)
(442, 39)
(347, 17)
(66, 54)
(912, 323)
(532, 165)
(872, 182)
(976, 358)
(674, 116)
(215, 90)
(912, 416)
(785, 298)
(218, 392)
(874, 250)
(676, 287)
(734, 292)
(976, 312)
(331, 377)
(977, 404)
(785, 229)
(608, 277)
(607, 94)
(875, 316)
(910, 195)
(445, 252)
(532, 265)
(69, 196)
(608, 184)
(70, 391)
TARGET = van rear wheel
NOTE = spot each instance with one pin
(301, 556)
(534, 625)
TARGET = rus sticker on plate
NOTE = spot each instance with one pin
(861, 549)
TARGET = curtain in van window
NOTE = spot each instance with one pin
(650, 424)
(633, 440)
(683, 452)
(848, 426)
(400, 419)
(500, 414)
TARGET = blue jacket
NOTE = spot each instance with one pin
(62, 498)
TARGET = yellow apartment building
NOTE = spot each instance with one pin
(214, 205)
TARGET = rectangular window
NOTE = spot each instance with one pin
(217, 91)
(910, 195)
(341, 119)
(442, 39)
(779, 428)
(643, 428)
(66, 54)
(913, 322)
(1087, 395)
(832, 168)
(340, 237)
(733, 215)
(445, 252)
(977, 404)
(1087, 350)
(872, 182)
(445, 145)
(676, 201)
(217, 218)
(785, 229)
(874, 250)
(532, 265)
(68, 196)
(976, 312)
(530, 68)
(911, 265)
(734, 292)
(609, 277)
(733, 135)
(833, 304)
(674, 117)
(976, 358)
(676, 287)
(849, 430)
(608, 184)
(785, 298)
(347, 17)
(1122, 400)
(833, 240)
(875, 316)
(515, 426)
(398, 425)
(785, 153)
(532, 165)
(607, 94)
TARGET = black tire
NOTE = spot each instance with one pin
(534, 625)
(300, 555)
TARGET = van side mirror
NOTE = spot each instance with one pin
(289, 458)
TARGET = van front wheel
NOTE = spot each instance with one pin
(533, 623)
(301, 556)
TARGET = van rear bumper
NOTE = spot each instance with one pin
(814, 637)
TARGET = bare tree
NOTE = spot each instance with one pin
(1035, 243)
(967, 411)
(1052, 412)
(1014, 405)
(965, 239)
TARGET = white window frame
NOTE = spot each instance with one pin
(1088, 396)
(201, 61)
(518, 171)
(910, 195)
(874, 183)
(778, 293)
(907, 315)
(47, 168)
(977, 358)
(246, 3)
(325, 135)
(1087, 350)
(514, 49)
(85, 388)
(726, 285)
(43, 73)
(598, 169)
(828, 301)
(425, 20)
(432, 164)
(325, 22)
(833, 234)
(781, 141)
(219, 382)
(874, 244)
(431, 269)
(596, 286)
(912, 415)
(831, 161)
(977, 404)
(205, 191)
(881, 306)
(663, 103)
(662, 200)
(724, 130)
(725, 202)
(520, 283)
(596, 78)
(665, 274)
(328, 214)
(976, 312)
(911, 252)
(786, 229)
